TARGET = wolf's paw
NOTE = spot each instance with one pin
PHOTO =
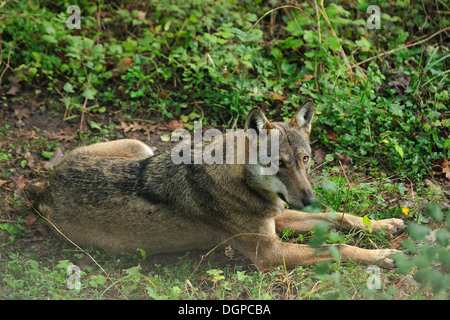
(384, 259)
(391, 226)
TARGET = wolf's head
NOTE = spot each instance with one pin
(287, 150)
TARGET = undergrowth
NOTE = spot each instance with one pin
(220, 58)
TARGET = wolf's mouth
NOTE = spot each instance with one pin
(281, 196)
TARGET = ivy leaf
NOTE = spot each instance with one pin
(68, 88)
(396, 109)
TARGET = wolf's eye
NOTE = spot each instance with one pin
(305, 159)
(280, 163)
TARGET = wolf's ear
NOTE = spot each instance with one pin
(257, 121)
(303, 118)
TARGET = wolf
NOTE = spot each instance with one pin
(119, 197)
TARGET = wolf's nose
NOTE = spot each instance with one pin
(309, 200)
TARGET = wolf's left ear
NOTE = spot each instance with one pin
(303, 118)
(257, 121)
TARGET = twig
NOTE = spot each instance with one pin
(270, 11)
(7, 66)
(383, 54)
(318, 20)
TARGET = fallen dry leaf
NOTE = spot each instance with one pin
(345, 158)
(13, 90)
(163, 94)
(277, 96)
(175, 124)
(14, 80)
(141, 15)
(21, 113)
(442, 168)
(319, 156)
(31, 160)
(65, 135)
(32, 134)
(58, 155)
(20, 183)
(121, 66)
(29, 220)
(331, 135)
(132, 127)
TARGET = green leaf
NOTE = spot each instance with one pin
(418, 231)
(165, 137)
(49, 39)
(363, 43)
(290, 42)
(367, 223)
(97, 280)
(334, 252)
(68, 88)
(294, 28)
(142, 252)
(133, 270)
(64, 264)
(32, 71)
(95, 125)
(48, 154)
(396, 109)
(153, 293)
(409, 245)
(399, 150)
(174, 293)
(434, 278)
(442, 237)
(435, 212)
(89, 93)
(334, 44)
(401, 187)
(444, 256)
(329, 186)
(320, 234)
(115, 49)
(322, 267)
(403, 263)
(329, 157)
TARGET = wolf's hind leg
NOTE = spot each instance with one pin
(124, 148)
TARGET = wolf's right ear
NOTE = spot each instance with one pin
(303, 118)
(257, 121)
